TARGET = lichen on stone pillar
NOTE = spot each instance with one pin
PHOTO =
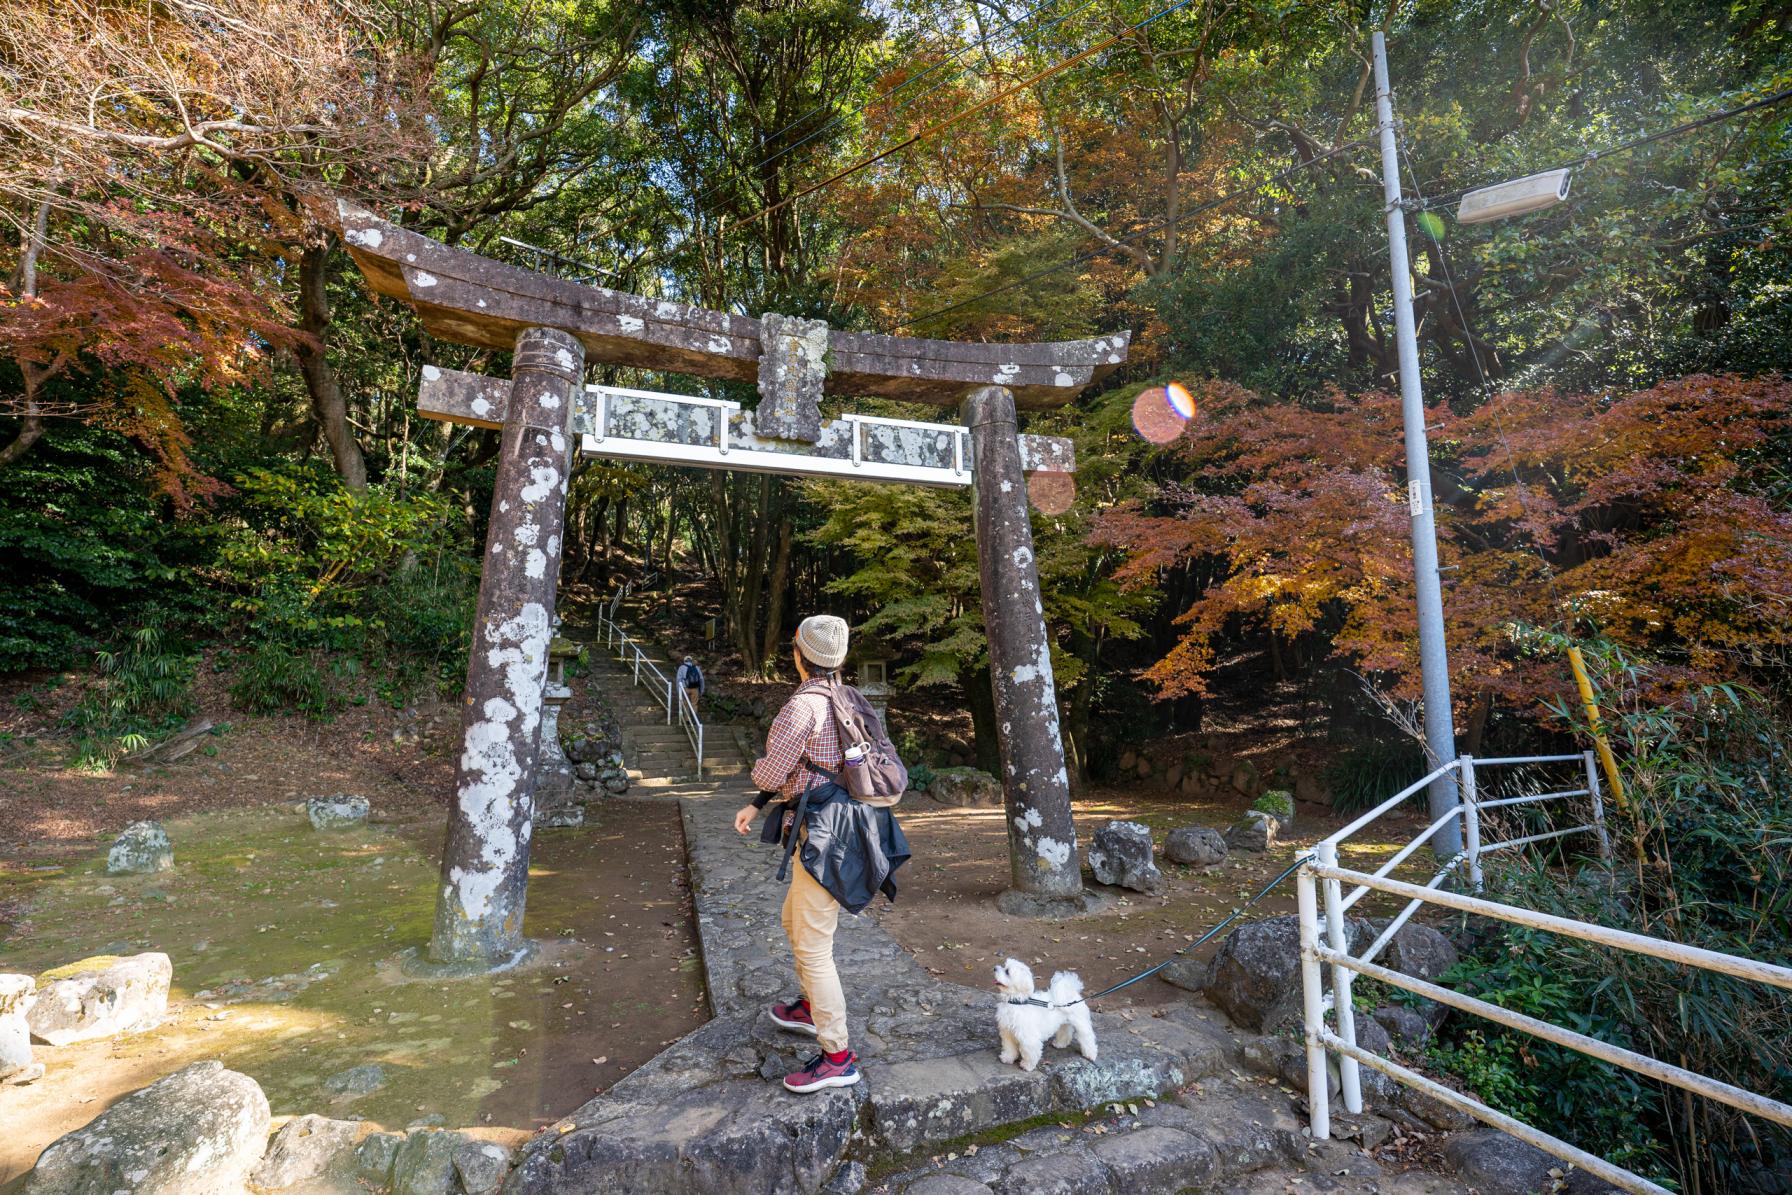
(792, 367)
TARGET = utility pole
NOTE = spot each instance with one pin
(1434, 664)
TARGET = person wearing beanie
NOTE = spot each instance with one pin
(805, 738)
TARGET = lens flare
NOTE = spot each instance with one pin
(1051, 493)
(1154, 418)
(1181, 401)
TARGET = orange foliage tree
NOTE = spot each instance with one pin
(152, 161)
(1658, 518)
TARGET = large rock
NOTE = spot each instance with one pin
(200, 1131)
(143, 847)
(17, 994)
(375, 1155)
(1417, 950)
(1255, 977)
(357, 1080)
(965, 787)
(310, 1155)
(1121, 855)
(481, 1167)
(425, 1163)
(1255, 831)
(722, 1138)
(101, 996)
(938, 1099)
(338, 812)
(1070, 1171)
(1495, 1164)
(1279, 804)
(1405, 1026)
(1201, 846)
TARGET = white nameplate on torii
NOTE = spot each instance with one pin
(709, 433)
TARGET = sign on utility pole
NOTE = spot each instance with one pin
(1434, 664)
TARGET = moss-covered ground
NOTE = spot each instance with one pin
(286, 944)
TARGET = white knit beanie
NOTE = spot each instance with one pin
(822, 640)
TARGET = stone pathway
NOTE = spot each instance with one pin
(708, 1115)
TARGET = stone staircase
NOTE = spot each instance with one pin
(659, 754)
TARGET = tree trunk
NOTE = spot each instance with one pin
(327, 401)
(31, 423)
(982, 700)
(752, 581)
(774, 610)
(1477, 722)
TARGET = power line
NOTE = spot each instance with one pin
(980, 105)
(1162, 225)
(1592, 156)
(884, 95)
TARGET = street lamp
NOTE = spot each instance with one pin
(1515, 197)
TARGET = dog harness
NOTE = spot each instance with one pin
(1041, 1001)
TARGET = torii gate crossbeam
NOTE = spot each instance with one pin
(552, 327)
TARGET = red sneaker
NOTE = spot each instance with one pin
(820, 1073)
(794, 1016)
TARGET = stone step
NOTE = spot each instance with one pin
(1225, 1132)
(943, 1082)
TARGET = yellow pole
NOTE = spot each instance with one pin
(1591, 705)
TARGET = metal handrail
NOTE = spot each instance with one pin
(677, 703)
(693, 726)
(1324, 943)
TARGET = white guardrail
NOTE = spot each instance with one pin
(1324, 941)
(676, 701)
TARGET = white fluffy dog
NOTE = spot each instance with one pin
(1027, 1021)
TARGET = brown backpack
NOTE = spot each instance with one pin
(881, 778)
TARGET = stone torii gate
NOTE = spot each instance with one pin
(552, 326)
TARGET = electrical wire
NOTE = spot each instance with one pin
(1592, 156)
(1090, 255)
(938, 126)
(1494, 401)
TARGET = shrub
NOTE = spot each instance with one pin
(1278, 803)
(1703, 848)
(334, 583)
(274, 678)
(142, 692)
(1366, 774)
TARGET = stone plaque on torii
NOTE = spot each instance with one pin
(552, 326)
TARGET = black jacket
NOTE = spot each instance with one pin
(852, 849)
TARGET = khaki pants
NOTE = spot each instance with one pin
(810, 918)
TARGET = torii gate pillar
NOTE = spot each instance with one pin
(1042, 856)
(485, 862)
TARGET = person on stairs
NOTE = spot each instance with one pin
(803, 738)
(690, 679)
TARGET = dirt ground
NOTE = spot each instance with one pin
(400, 760)
(945, 914)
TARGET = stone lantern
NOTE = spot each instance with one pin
(555, 800)
(871, 675)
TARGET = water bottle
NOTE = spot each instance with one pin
(855, 756)
(854, 772)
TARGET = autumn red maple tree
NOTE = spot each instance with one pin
(154, 159)
(1657, 518)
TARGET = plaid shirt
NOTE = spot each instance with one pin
(804, 728)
